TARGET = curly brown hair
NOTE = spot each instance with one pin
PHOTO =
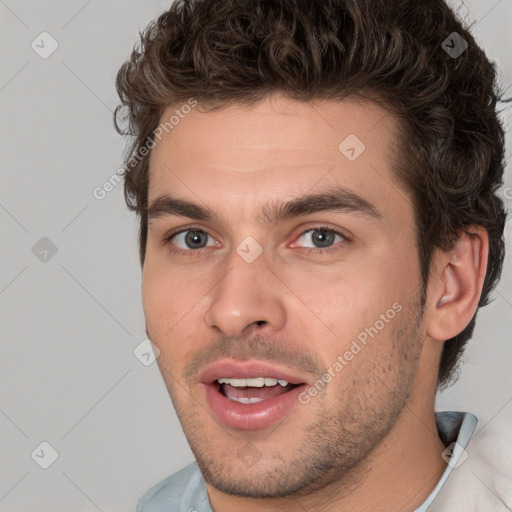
(450, 153)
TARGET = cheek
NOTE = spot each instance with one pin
(335, 308)
(343, 299)
(157, 302)
(164, 300)
(174, 308)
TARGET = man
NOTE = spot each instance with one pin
(316, 184)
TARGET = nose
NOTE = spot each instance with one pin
(247, 297)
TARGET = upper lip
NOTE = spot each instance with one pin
(231, 368)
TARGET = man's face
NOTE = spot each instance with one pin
(320, 295)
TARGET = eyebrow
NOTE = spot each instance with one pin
(333, 199)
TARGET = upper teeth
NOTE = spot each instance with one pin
(256, 382)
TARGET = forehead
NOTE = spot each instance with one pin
(277, 147)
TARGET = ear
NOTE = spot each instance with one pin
(455, 284)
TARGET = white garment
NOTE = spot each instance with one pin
(483, 482)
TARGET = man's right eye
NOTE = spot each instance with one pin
(191, 239)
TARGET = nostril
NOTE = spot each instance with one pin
(254, 327)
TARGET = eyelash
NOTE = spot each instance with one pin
(190, 252)
(319, 250)
(309, 250)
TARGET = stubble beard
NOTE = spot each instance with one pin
(336, 440)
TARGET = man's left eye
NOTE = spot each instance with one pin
(319, 238)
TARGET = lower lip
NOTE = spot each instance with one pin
(251, 416)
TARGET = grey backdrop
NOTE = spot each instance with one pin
(70, 278)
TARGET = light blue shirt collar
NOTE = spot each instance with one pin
(185, 491)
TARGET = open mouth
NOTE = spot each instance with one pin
(253, 390)
(250, 396)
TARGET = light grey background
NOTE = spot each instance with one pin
(69, 325)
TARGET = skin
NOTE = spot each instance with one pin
(357, 443)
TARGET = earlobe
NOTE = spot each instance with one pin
(456, 290)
